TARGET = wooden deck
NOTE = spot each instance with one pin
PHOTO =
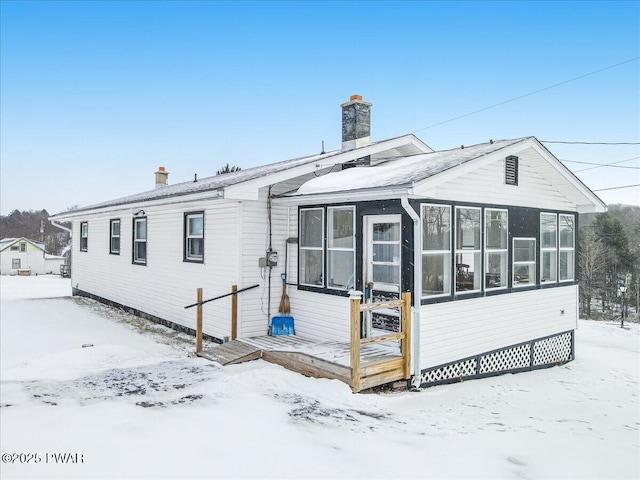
(314, 359)
(361, 363)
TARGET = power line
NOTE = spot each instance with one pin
(612, 163)
(590, 143)
(615, 188)
(604, 164)
(528, 94)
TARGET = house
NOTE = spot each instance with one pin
(21, 256)
(482, 236)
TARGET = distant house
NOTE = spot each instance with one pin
(21, 256)
(482, 236)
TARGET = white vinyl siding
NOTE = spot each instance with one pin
(486, 185)
(167, 283)
(454, 330)
(436, 250)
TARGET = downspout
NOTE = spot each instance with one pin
(417, 287)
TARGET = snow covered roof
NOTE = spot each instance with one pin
(384, 149)
(7, 242)
(402, 171)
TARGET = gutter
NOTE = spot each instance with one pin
(61, 227)
(417, 287)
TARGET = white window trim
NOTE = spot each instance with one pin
(567, 249)
(112, 236)
(337, 249)
(553, 249)
(187, 255)
(514, 263)
(437, 252)
(462, 251)
(84, 235)
(320, 249)
(142, 261)
(488, 250)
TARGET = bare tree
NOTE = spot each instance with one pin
(591, 264)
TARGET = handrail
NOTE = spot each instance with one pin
(222, 296)
(394, 368)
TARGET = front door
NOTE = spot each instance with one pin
(382, 266)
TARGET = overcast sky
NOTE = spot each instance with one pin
(96, 95)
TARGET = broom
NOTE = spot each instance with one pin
(285, 306)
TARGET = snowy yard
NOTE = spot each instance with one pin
(139, 404)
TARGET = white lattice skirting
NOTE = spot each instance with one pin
(540, 353)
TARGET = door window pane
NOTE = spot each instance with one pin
(386, 232)
(389, 274)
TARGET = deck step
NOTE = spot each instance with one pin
(231, 353)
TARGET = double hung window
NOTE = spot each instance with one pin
(84, 236)
(567, 247)
(140, 241)
(548, 247)
(114, 237)
(496, 248)
(311, 247)
(194, 237)
(468, 249)
(524, 262)
(436, 250)
(340, 248)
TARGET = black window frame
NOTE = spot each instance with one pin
(185, 237)
(84, 239)
(112, 222)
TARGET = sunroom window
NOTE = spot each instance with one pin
(548, 247)
(436, 250)
(567, 247)
(496, 248)
(341, 248)
(524, 262)
(468, 249)
(312, 247)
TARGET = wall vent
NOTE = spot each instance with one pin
(511, 170)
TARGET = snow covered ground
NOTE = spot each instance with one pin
(139, 404)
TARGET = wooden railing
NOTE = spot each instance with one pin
(234, 312)
(380, 371)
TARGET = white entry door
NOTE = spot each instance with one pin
(382, 255)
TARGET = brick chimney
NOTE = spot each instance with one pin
(356, 123)
(162, 178)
